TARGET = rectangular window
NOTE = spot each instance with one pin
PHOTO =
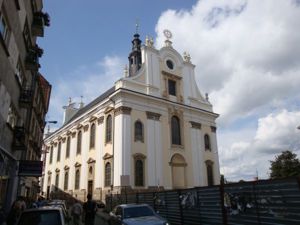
(26, 35)
(3, 27)
(172, 87)
(19, 72)
(12, 117)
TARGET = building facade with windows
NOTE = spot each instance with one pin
(24, 97)
(152, 129)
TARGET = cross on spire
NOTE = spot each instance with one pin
(137, 25)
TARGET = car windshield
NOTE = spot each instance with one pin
(43, 217)
(137, 211)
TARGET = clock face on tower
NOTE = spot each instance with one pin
(167, 34)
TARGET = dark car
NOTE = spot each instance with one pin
(135, 214)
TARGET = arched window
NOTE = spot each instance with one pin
(210, 176)
(66, 181)
(92, 136)
(108, 129)
(56, 180)
(51, 154)
(58, 151)
(77, 179)
(138, 131)
(68, 147)
(175, 130)
(207, 142)
(79, 137)
(139, 173)
(107, 181)
(49, 179)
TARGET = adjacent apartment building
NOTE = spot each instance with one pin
(152, 129)
(24, 98)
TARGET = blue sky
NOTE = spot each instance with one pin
(246, 55)
(83, 32)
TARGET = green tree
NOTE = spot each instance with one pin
(285, 165)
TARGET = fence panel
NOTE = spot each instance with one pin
(278, 202)
(263, 202)
(210, 205)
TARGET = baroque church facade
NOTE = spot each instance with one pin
(152, 129)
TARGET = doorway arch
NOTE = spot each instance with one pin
(178, 169)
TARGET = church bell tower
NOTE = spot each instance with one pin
(135, 57)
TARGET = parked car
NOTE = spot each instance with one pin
(46, 215)
(60, 203)
(135, 214)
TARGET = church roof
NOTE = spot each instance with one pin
(92, 104)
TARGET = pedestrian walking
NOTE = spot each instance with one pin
(16, 209)
(76, 212)
(90, 209)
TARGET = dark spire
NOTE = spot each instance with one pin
(135, 57)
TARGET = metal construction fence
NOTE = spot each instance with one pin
(259, 202)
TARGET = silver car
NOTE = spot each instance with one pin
(43, 216)
(134, 214)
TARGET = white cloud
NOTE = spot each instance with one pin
(246, 52)
(247, 58)
(88, 81)
(274, 134)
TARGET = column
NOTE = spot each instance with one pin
(214, 146)
(154, 150)
(122, 144)
(197, 145)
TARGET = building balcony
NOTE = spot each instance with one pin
(40, 20)
(25, 99)
(19, 139)
(32, 60)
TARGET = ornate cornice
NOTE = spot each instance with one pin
(107, 156)
(196, 125)
(66, 167)
(152, 115)
(108, 109)
(86, 127)
(100, 119)
(122, 110)
(139, 156)
(92, 118)
(64, 139)
(73, 134)
(171, 75)
(79, 126)
(69, 132)
(91, 160)
(77, 164)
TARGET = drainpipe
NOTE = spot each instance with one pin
(113, 147)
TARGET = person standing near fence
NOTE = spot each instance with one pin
(90, 209)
